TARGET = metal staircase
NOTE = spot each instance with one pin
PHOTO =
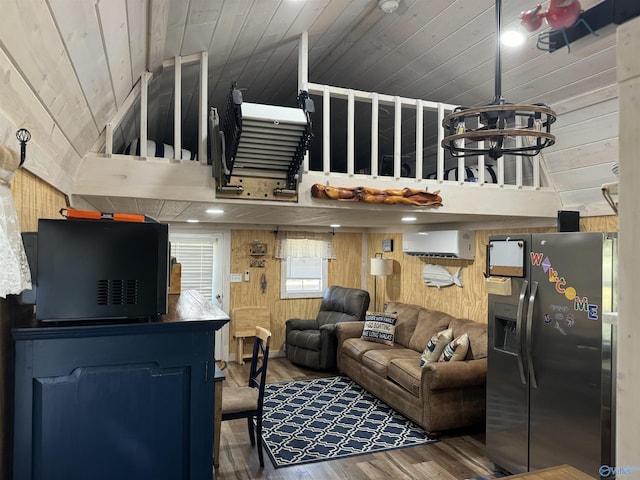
(263, 148)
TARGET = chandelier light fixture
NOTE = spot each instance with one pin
(499, 128)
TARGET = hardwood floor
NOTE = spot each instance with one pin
(453, 458)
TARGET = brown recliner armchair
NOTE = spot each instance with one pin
(313, 343)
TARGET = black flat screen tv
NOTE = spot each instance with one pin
(101, 270)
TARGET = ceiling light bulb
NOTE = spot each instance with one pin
(388, 6)
(512, 38)
(193, 220)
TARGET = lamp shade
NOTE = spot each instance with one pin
(381, 266)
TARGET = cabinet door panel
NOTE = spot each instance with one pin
(122, 421)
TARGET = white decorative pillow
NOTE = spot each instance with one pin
(456, 349)
(435, 346)
(379, 327)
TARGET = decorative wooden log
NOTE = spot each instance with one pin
(405, 196)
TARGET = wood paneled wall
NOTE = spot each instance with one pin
(33, 199)
(470, 301)
(405, 285)
(345, 270)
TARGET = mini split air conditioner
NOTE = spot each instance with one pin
(443, 244)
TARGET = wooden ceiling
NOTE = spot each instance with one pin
(438, 50)
(69, 65)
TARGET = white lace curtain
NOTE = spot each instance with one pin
(15, 275)
(304, 245)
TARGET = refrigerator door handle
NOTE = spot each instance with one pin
(532, 298)
(523, 291)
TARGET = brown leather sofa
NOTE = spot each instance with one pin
(440, 396)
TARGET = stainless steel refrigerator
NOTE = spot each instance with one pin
(550, 393)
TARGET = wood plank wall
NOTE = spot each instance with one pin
(470, 301)
(405, 285)
(345, 270)
(33, 199)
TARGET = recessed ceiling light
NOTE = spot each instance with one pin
(193, 220)
(335, 225)
(214, 210)
(388, 6)
(512, 38)
(409, 219)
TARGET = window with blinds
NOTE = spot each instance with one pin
(197, 259)
(303, 277)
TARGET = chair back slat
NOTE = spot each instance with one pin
(259, 360)
(264, 335)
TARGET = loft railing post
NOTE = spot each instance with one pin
(518, 159)
(144, 112)
(203, 109)
(350, 133)
(536, 171)
(481, 169)
(500, 162)
(374, 134)
(397, 137)
(461, 171)
(326, 130)
(419, 138)
(303, 79)
(303, 62)
(439, 149)
(177, 109)
(108, 144)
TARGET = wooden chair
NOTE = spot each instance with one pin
(246, 402)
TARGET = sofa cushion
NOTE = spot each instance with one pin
(477, 336)
(456, 349)
(436, 346)
(406, 323)
(379, 327)
(454, 375)
(379, 360)
(356, 347)
(406, 373)
(429, 322)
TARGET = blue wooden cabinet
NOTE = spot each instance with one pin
(125, 401)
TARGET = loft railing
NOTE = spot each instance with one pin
(505, 173)
(459, 168)
(377, 100)
(140, 92)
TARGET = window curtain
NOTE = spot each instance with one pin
(304, 245)
(15, 275)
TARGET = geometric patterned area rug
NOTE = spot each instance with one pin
(328, 418)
